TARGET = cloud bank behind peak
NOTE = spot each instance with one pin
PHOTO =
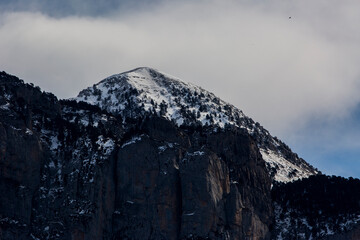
(285, 63)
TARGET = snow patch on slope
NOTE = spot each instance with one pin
(106, 145)
(285, 170)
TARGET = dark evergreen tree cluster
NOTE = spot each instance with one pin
(82, 105)
(320, 195)
(328, 203)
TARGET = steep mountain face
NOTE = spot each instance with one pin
(145, 91)
(143, 155)
(71, 170)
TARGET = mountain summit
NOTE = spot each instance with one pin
(144, 91)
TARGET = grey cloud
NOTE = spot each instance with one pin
(65, 8)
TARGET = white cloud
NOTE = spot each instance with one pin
(280, 71)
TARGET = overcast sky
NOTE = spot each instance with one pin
(291, 65)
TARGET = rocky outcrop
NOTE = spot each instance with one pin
(73, 171)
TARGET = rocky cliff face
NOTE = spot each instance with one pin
(185, 184)
(143, 155)
(74, 171)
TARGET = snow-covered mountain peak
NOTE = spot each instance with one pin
(145, 91)
(151, 73)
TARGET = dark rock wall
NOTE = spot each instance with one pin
(192, 186)
(21, 154)
(20, 162)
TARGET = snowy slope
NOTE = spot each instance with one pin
(145, 90)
